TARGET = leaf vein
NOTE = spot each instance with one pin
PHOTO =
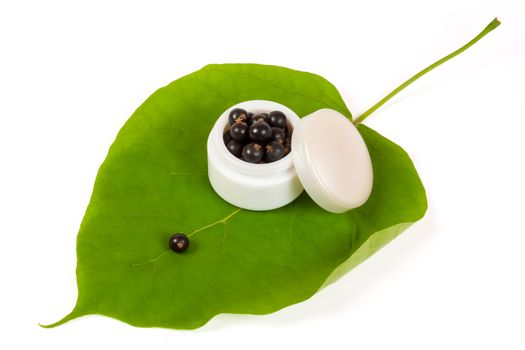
(221, 221)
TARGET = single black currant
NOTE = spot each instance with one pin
(226, 137)
(179, 242)
(260, 131)
(256, 117)
(277, 118)
(237, 114)
(278, 135)
(239, 131)
(252, 152)
(235, 148)
(274, 151)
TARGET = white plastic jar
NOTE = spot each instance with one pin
(246, 185)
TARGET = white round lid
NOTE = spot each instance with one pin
(332, 161)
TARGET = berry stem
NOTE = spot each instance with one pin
(491, 26)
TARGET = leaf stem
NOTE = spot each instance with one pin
(491, 26)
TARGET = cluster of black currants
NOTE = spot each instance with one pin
(258, 138)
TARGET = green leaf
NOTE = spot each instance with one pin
(154, 182)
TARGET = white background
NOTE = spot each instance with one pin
(71, 73)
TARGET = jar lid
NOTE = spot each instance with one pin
(332, 161)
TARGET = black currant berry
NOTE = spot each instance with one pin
(239, 131)
(253, 152)
(260, 131)
(260, 116)
(237, 114)
(235, 148)
(226, 137)
(179, 242)
(277, 118)
(278, 135)
(287, 131)
(287, 146)
(274, 151)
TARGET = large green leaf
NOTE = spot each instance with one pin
(153, 183)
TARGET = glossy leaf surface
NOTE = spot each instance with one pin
(154, 183)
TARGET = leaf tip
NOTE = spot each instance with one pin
(68, 317)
